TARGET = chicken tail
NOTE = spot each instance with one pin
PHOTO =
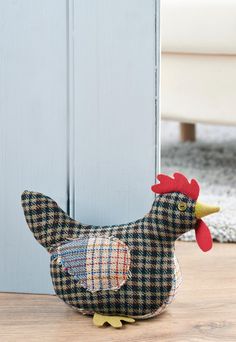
(49, 224)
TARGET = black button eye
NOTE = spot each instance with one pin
(182, 206)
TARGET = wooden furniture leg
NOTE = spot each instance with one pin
(187, 131)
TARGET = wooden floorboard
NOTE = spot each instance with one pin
(204, 309)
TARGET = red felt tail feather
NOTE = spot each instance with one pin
(178, 183)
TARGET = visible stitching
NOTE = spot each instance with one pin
(96, 251)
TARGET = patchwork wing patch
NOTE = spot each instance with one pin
(98, 263)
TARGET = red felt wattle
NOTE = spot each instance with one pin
(179, 183)
(203, 236)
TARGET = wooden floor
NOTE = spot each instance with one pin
(204, 310)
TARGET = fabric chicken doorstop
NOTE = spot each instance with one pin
(120, 272)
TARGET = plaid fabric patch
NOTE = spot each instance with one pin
(150, 241)
(98, 263)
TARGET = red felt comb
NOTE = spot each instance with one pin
(179, 183)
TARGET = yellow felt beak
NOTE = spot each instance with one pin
(202, 209)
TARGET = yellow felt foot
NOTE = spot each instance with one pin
(114, 321)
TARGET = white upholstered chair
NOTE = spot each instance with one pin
(198, 73)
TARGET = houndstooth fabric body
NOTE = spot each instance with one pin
(150, 241)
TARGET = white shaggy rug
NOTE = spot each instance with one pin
(212, 161)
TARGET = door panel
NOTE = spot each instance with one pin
(115, 109)
(32, 131)
(78, 119)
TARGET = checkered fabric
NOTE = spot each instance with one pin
(176, 281)
(150, 241)
(98, 263)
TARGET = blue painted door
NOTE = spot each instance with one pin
(78, 119)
